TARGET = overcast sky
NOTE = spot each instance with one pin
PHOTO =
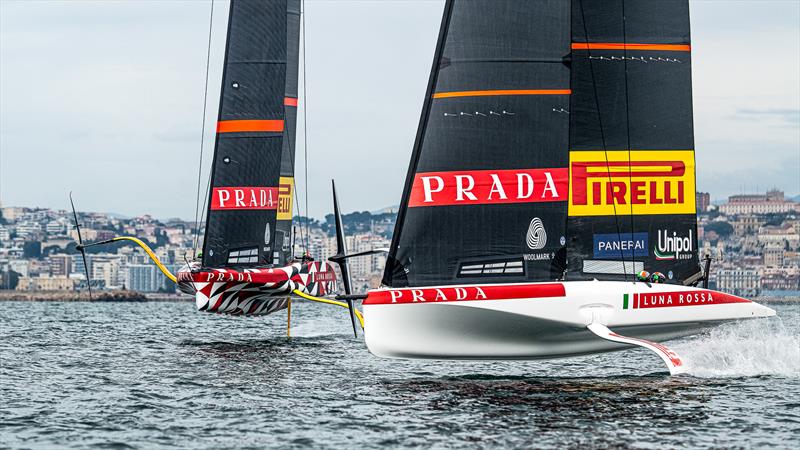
(105, 98)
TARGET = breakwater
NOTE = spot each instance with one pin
(97, 296)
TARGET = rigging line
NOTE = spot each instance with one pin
(305, 120)
(602, 135)
(292, 151)
(627, 120)
(294, 190)
(294, 166)
(202, 137)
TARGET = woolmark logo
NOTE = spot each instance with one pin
(478, 187)
(638, 182)
(537, 236)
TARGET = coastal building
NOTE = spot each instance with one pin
(56, 228)
(46, 283)
(786, 279)
(703, 201)
(773, 202)
(781, 235)
(773, 255)
(5, 234)
(13, 213)
(737, 281)
(142, 278)
(20, 266)
(60, 265)
(746, 224)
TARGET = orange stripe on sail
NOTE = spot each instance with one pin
(502, 92)
(290, 101)
(243, 126)
(629, 46)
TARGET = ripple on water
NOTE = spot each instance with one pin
(152, 375)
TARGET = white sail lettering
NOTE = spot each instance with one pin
(417, 295)
(263, 196)
(395, 295)
(461, 293)
(253, 200)
(461, 191)
(528, 185)
(239, 197)
(497, 188)
(429, 191)
(549, 185)
(479, 293)
(224, 196)
(440, 295)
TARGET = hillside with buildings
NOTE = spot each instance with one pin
(754, 239)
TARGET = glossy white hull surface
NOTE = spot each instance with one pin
(539, 320)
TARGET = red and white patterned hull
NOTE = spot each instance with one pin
(256, 291)
(538, 320)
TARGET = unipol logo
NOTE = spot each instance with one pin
(479, 187)
(249, 197)
(672, 246)
(537, 236)
(638, 182)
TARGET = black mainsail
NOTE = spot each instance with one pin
(249, 215)
(632, 170)
(543, 122)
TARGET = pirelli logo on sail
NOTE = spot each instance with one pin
(642, 182)
(285, 196)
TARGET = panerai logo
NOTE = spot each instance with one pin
(671, 246)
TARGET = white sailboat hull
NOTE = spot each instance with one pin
(501, 322)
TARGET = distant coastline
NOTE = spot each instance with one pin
(97, 296)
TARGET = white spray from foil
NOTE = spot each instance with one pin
(744, 349)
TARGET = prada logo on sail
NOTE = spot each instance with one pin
(489, 187)
(249, 197)
(640, 183)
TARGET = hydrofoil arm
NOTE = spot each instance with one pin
(670, 358)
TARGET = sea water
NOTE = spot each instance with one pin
(159, 375)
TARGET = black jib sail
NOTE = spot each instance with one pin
(250, 200)
(632, 169)
(510, 129)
